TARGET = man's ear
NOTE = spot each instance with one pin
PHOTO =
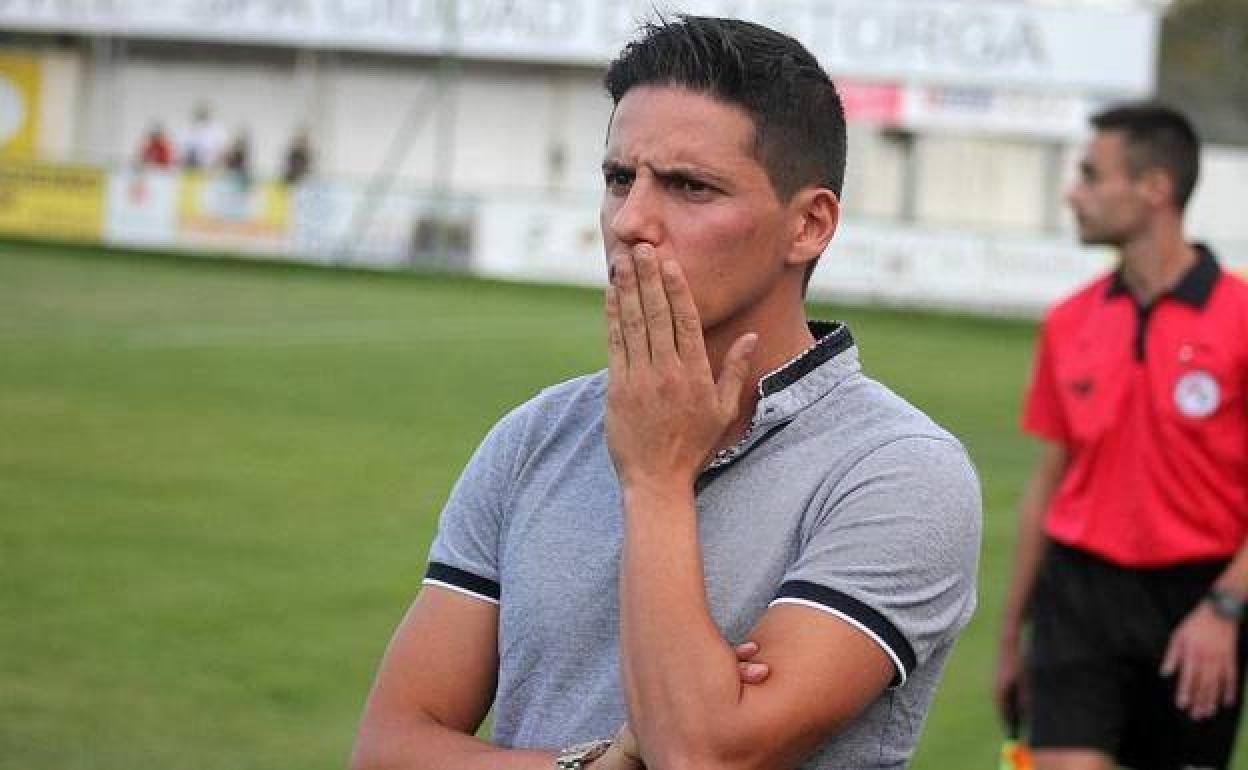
(816, 213)
(1158, 187)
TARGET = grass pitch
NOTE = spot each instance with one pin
(219, 479)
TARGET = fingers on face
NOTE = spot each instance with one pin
(736, 369)
(655, 304)
(687, 325)
(658, 317)
(617, 351)
(631, 315)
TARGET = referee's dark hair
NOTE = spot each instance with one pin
(1157, 137)
(799, 123)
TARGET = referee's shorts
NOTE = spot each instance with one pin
(1099, 633)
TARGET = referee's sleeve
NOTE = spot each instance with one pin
(1043, 415)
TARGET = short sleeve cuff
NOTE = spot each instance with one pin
(460, 581)
(857, 614)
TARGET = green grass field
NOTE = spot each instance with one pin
(218, 481)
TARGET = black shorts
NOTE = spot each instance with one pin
(1099, 633)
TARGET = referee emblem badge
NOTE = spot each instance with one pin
(1197, 394)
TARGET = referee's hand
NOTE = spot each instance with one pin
(1201, 654)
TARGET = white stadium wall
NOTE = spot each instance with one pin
(982, 182)
(522, 128)
(1217, 209)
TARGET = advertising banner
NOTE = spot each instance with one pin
(142, 207)
(870, 102)
(884, 264)
(910, 266)
(229, 211)
(1066, 47)
(978, 110)
(547, 241)
(19, 105)
(56, 202)
(350, 225)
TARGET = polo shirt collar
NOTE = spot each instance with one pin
(831, 337)
(786, 391)
(1194, 288)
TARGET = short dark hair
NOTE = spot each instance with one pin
(799, 123)
(1157, 137)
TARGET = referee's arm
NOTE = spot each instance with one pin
(1028, 552)
(1203, 650)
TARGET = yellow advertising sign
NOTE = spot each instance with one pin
(224, 209)
(60, 202)
(19, 106)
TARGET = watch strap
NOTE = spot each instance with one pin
(579, 756)
(1226, 604)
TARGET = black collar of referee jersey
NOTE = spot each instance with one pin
(1194, 288)
(832, 337)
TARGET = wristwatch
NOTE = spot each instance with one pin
(579, 756)
(1225, 604)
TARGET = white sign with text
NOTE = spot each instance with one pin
(1002, 44)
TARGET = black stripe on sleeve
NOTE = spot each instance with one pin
(850, 608)
(464, 581)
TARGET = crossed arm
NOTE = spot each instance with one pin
(433, 690)
(435, 686)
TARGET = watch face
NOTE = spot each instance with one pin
(1226, 605)
(576, 757)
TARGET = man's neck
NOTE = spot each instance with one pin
(1151, 266)
(779, 342)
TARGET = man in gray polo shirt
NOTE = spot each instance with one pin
(732, 475)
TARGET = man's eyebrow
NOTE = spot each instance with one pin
(682, 171)
(674, 171)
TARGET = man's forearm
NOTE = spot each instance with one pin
(1234, 579)
(1028, 553)
(426, 745)
(680, 674)
(1030, 546)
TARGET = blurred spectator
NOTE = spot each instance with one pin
(157, 150)
(201, 148)
(237, 159)
(298, 160)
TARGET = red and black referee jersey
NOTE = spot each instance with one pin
(1150, 402)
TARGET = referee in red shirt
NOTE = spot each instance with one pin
(1131, 570)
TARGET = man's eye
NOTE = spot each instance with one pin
(692, 187)
(618, 179)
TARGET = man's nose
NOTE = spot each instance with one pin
(637, 219)
(1072, 195)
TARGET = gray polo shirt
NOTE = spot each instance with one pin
(842, 498)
